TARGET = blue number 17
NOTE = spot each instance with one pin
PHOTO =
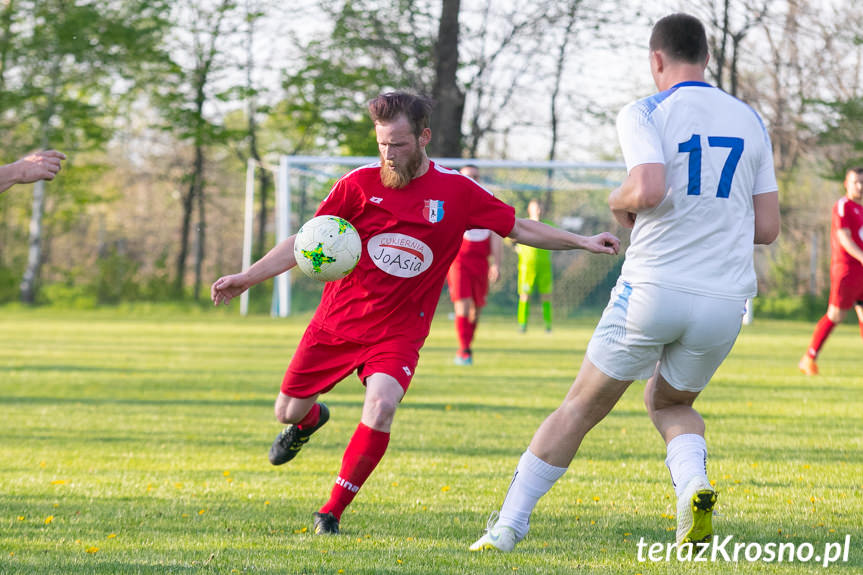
(692, 146)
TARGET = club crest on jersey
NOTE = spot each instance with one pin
(433, 210)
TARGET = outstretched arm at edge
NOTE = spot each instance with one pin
(277, 260)
(540, 235)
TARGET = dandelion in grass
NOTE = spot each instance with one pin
(20, 518)
(49, 520)
(596, 498)
(202, 511)
(111, 536)
(92, 550)
(59, 482)
(445, 488)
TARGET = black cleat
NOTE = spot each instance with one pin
(326, 524)
(292, 438)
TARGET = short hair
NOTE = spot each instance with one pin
(417, 109)
(680, 37)
(858, 170)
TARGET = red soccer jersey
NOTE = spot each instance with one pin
(476, 244)
(410, 237)
(846, 214)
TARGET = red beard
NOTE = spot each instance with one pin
(399, 176)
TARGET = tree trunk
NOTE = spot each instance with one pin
(560, 67)
(188, 208)
(200, 239)
(29, 282)
(446, 119)
(34, 251)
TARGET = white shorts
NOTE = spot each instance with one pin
(688, 334)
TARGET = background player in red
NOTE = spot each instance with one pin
(411, 215)
(468, 279)
(846, 267)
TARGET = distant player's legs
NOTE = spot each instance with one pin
(546, 310)
(545, 283)
(526, 284)
(365, 449)
(823, 328)
(523, 310)
(466, 315)
(554, 444)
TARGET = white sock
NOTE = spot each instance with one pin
(687, 458)
(533, 478)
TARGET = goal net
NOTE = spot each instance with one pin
(573, 196)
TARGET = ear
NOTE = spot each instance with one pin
(425, 137)
(657, 61)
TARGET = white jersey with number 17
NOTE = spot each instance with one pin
(717, 156)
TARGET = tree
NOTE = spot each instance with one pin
(198, 51)
(65, 69)
(446, 121)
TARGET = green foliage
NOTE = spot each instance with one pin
(115, 279)
(9, 279)
(371, 50)
(135, 443)
(840, 139)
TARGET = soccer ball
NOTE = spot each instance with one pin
(327, 248)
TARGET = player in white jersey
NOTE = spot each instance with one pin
(700, 191)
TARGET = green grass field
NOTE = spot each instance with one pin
(136, 443)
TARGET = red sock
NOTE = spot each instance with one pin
(464, 328)
(364, 452)
(311, 418)
(822, 330)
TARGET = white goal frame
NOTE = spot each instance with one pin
(282, 290)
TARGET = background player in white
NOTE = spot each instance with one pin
(700, 190)
(411, 215)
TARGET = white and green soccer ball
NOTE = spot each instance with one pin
(327, 248)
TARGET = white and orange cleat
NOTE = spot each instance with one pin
(807, 365)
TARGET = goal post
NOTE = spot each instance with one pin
(574, 194)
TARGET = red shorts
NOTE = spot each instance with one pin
(323, 359)
(846, 289)
(468, 279)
